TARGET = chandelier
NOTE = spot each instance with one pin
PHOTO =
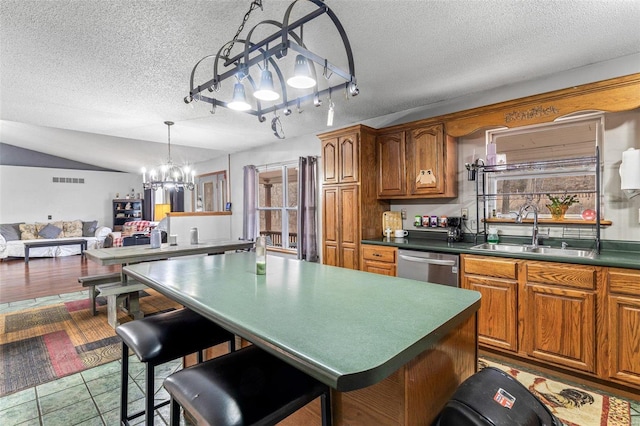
(168, 175)
(254, 67)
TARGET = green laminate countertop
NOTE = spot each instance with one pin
(613, 254)
(349, 329)
(144, 252)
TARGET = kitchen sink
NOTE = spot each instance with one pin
(552, 251)
(541, 250)
(509, 248)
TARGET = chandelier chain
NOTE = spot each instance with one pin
(254, 5)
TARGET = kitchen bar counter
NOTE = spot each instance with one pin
(144, 253)
(349, 329)
(613, 254)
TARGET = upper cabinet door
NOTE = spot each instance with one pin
(426, 168)
(340, 159)
(348, 159)
(330, 160)
(392, 177)
(416, 162)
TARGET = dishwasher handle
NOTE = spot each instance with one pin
(428, 261)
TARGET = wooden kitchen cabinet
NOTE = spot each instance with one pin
(379, 259)
(341, 158)
(351, 209)
(496, 280)
(392, 175)
(416, 162)
(341, 237)
(624, 325)
(560, 314)
(551, 312)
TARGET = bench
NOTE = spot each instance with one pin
(92, 281)
(117, 294)
(53, 243)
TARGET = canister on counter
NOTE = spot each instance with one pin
(443, 222)
(425, 221)
(417, 221)
(433, 222)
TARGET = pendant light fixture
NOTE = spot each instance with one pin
(263, 61)
(239, 101)
(302, 78)
(168, 175)
(266, 92)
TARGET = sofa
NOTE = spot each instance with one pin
(14, 235)
(129, 229)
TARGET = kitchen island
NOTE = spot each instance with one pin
(393, 350)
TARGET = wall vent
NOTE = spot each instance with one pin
(67, 180)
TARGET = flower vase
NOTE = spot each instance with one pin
(557, 211)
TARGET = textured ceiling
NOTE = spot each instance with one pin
(119, 69)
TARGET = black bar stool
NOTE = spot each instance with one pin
(159, 339)
(246, 387)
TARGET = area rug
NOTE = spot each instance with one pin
(573, 405)
(47, 343)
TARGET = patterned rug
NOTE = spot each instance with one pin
(573, 405)
(43, 344)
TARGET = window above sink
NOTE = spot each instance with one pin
(536, 162)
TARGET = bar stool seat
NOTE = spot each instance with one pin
(161, 338)
(246, 387)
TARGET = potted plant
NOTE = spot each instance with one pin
(559, 205)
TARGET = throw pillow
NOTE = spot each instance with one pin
(10, 231)
(50, 231)
(41, 226)
(72, 229)
(89, 228)
(28, 231)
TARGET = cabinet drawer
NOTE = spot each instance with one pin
(379, 253)
(561, 274)
(491, 267)
(624, 281)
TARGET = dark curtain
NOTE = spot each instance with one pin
(149, 204)
(307, 209)
(177, 200)
(249, 220)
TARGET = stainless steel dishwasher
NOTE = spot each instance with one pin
(437, 268)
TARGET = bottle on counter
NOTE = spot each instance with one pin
(492, 236)
(194, 235)
(156, 238)
(261, 255)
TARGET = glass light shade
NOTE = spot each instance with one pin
(266, 91)
(302, 77)
(239, 101)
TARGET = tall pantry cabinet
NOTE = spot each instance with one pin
(351, 210)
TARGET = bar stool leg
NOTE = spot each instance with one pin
(149, 397)
(174, 413)
(325, 407)
(124, 385)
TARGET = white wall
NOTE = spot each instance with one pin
(27, 194)
(209, 228)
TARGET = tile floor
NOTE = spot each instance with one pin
(92, 397)
(88, 398)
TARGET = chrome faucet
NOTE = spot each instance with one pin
(523, 212)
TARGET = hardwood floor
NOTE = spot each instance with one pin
(45, 276)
